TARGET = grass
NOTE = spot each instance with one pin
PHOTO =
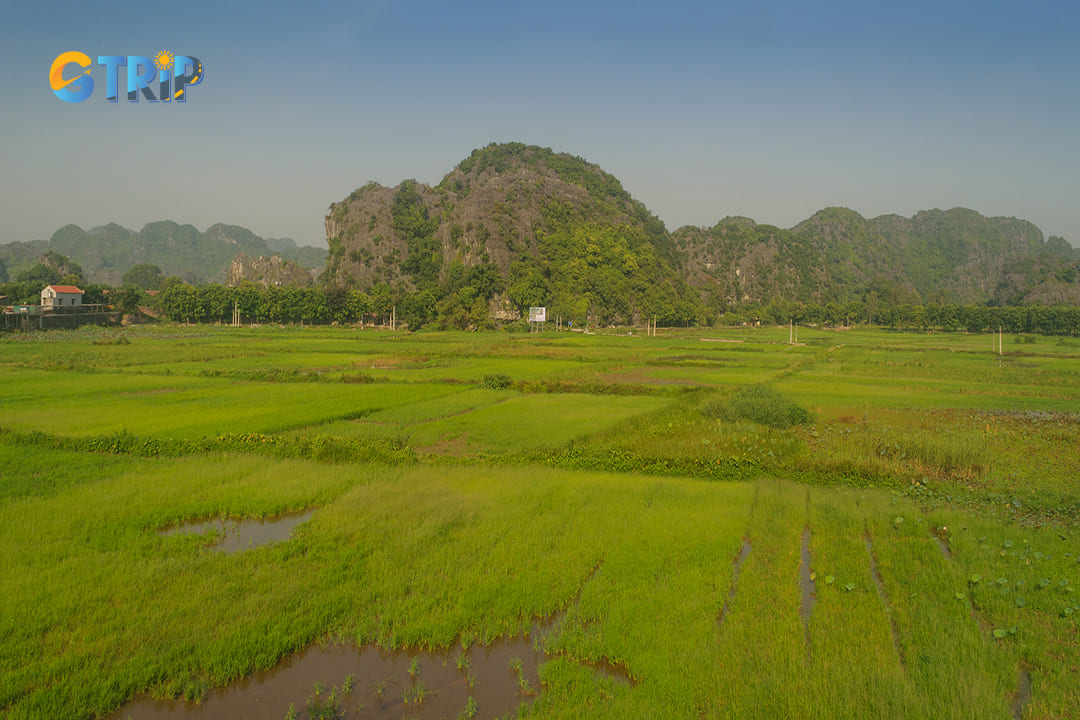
(563, 491)
(759, 404)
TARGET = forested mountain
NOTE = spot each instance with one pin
(513, 225)
(547, 228)
(106, 252)
(950, 256)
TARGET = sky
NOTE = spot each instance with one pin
(771, 109)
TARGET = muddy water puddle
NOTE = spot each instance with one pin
(744, 552)
(1022, 696)
(875, 572)
(942, 538)
(809, 592)
(238, 535)
(370, 682)
(806, 581)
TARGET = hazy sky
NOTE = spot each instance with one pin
(770, 109)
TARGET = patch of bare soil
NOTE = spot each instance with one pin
(454, 447)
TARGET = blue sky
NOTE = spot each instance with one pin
(770, 109)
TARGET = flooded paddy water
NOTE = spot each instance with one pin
(369, 682)
(349, 681)
(238, 535)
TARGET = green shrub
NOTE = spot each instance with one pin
(759, 404)
(496, 382)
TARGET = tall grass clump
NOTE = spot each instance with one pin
(937, 454)
(759, 404)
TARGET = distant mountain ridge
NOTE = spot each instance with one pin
(106, 252)
(949, 256)
(549, 223)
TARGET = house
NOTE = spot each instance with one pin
(54, 296)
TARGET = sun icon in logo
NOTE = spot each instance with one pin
(164, 60)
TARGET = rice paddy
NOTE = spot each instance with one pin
(905, 547)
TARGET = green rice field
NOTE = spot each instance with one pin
(711, 523)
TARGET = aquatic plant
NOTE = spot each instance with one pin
(470, 709)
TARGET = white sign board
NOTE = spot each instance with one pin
(538, 314)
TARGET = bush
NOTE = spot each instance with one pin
(496, 382)
(760, 404)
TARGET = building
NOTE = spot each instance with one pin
(54, 296)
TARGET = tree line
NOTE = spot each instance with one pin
(925, 317)
(573, 288)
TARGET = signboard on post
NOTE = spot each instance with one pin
(537, 314)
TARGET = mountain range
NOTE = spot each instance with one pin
(515, 225)
(106, 252)
(562, 232)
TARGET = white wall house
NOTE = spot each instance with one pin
(61, 296)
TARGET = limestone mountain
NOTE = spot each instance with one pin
(1048, 278)
(952, 256)
(272, 271)
(537, 227)
(106, 252)
(552, 229)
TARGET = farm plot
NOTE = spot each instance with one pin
(905, 549)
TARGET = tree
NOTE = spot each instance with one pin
(249, 297)
(40, 274)
(359, 305)
(410, 219)
(128, 298)
(313, 307)
(419, 308)
(168, 282)
(145, 276)
(337, 304)
(527, 286)
(215, 302)
(382, 301)
(65, 267)
(181, 302)
(94, 294)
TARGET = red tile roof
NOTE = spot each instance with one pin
(66, 289)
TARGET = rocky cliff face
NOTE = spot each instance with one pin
(956, 255)
(490, 209)
(266, 271)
